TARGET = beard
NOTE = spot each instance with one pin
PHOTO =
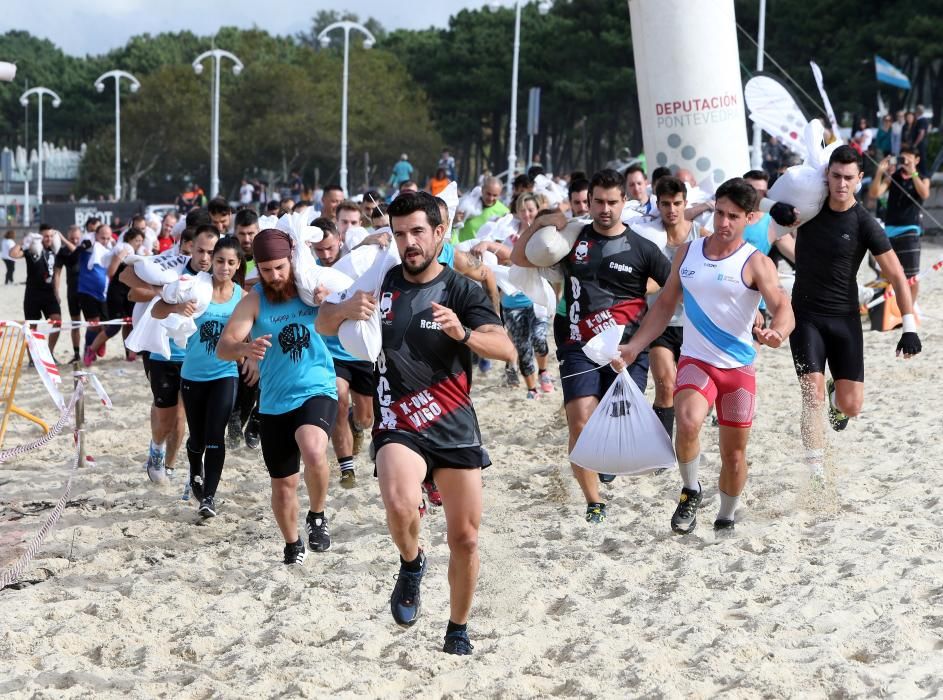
(278, 292)
(419, 268)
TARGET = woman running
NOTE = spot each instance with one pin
(208, 384)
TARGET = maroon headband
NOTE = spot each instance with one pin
(271, 244)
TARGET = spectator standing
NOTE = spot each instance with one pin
(402, 171)
(9, 240)
(246, 193)
(447, 163)
(884, 136)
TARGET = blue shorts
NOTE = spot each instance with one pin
(573, 361)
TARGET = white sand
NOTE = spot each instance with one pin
(829, 593)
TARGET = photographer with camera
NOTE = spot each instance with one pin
(906, 191)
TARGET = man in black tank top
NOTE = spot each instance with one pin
(605, 282)
(829, 251)
(432, 319)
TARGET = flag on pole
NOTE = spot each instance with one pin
(887, 73)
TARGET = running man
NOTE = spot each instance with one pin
(297, 392)
(208, 384)
(605, 278)
(829, 251)
(721, 280)
(41, 297)
(425, 426)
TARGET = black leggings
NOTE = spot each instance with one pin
(10, 267)
(208, 405)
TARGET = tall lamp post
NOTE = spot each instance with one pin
(325, 41)
(100, 86)
(760, 48)
(544, 7)
(40, 92)
(217, 55)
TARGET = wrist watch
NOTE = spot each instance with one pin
(467, 335)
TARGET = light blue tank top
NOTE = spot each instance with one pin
(515, 301)
(447, 256)
(200, 363)
(298, 365)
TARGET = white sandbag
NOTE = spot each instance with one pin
(308, 274)
(148, 335)
(529, 281)
(604, 347)
(354, 236)
(502, 279)
(554, 193)
(357, 261)
(267, 222)
(548, 246)
(623, 435)
(804, 186)
(99, 255)
(196, 288)
(363, 339)
(470, 204)
(450, 196)
(158, 269)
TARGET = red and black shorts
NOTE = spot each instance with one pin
(732, 390)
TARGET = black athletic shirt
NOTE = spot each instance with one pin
(39, 270)
(829, 251)
(70, 261)
(424, 377)
(902, 209)
(604, 282)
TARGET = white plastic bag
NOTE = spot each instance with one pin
(623, 436)
(603, 348)
(548, 246)
(804, 186)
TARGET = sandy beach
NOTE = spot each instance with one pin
(835, 591)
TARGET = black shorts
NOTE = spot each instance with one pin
(580, 376)
(277, 432)
(907, 247)
(837, 340)
(92, 308)
(75, 308)
(671, 339)
(435, 458)
(165, 382)
(358, 374)
(40, 303)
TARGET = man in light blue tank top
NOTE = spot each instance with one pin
(297, 389)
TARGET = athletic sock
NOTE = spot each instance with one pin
(319, 514)
(666, 414)
(455, 627)
(345, 463)
(414, 566)
(728, 506)
(689, 473)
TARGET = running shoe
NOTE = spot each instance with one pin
(252, 431)
(512, 379)
(156, 469)
(836, 418)
(404, 603)
(207, 507)
(319, 537)
(348, 478)
(196, 487)
(546, 382)
(89, 357)
(723, 524)
(233, 431)
(457, 643)
(102, 350)
(533, 394)
(607, 478)
(484, 366)
(432, 491)
(684, 519)
(595, 513)
(295, 552)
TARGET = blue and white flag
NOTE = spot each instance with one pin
(887, 73)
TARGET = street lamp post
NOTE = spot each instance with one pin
(218, 55)
(543, 6)
(100, 86)
(40, 92)
(760, 49)
(325, 41)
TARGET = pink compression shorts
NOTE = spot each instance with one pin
(733, 390)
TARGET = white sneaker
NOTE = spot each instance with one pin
(156, 471)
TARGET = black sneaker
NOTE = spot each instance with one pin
(319, 538)
(607, 478)
(207, 507)
(837, 419)
(723, 524)
(404, 603)
(233, 431)
(457, 643)
(295, 552)
(196, 487)
(595, 513)
(684, 519)
(252, 431)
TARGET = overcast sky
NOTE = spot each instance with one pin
(82, 27)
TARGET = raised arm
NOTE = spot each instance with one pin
(518, 256)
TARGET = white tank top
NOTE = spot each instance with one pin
(718, 307)
(655, 232)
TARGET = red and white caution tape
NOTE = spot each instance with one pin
(69, 325)
(889, 292)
